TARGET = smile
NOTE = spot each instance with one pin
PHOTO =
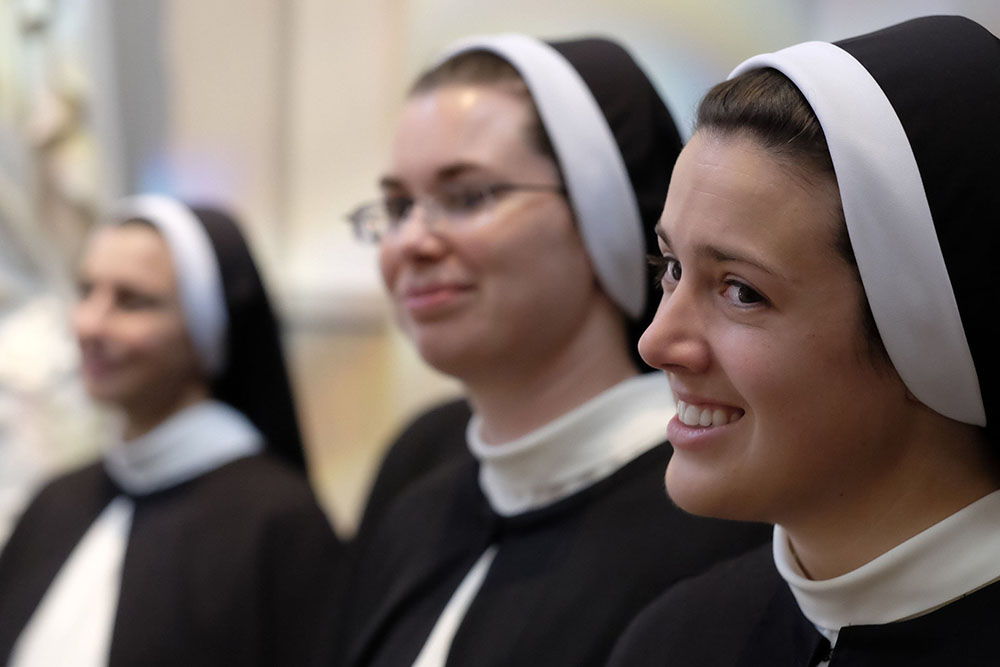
(696, 415)
(434, 300)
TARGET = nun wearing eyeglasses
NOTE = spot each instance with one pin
(516, 214)
(196, 539)
(829, 244)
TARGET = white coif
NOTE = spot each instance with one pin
(890, 225)
(199, 279)
(592, 165)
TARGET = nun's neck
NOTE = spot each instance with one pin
(517, 398)
(143, 417)
(949, 467)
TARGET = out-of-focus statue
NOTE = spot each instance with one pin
(53, 180)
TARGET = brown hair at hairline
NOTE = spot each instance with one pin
(765, 106)
(483, 68)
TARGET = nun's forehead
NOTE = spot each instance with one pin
(464, 127)
(134, 250)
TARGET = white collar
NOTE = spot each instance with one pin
(951, 558)
(199, 438)
(576, 449)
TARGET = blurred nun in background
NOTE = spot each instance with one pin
(196, 540)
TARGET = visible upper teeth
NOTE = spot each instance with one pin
(693, 415)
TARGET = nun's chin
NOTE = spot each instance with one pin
(447, 343)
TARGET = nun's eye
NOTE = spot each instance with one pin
(673, 270)
(129, 299)
(668, 270)
(742, 295)
(460, 201)
(397, 208)
(84, 288)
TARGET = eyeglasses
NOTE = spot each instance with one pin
(455, 207)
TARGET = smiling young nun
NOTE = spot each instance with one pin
(828, 249)
(196, 540)
(518, 210)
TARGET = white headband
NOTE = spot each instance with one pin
(890, 225)
(199, 280)
(596, 177)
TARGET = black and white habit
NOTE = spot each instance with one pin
(199, 542)
(539, 551)
(910, 116)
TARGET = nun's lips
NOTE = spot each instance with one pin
(706, 415)
(700, 423)
(97, 365)
(435, 299)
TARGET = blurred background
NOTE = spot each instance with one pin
(281, 111)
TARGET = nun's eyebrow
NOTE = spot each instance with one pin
(390, 183)
(721, 254)
(443, 175)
